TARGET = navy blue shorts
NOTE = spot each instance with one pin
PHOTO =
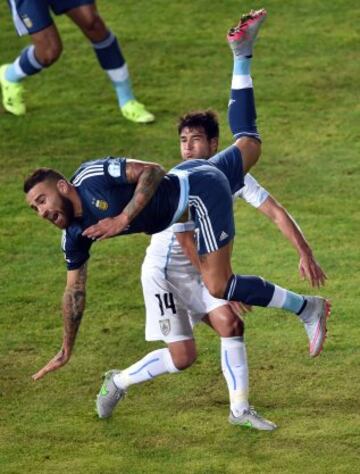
(31, 16)
(212, 184)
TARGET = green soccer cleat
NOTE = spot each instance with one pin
(251, 419)
(136, 112)
(12, 93)
(109, 395)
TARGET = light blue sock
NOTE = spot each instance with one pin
(293, 302)
(124, 91)
(12, 75)
(112, 60)
(286, 299)
(241, 66)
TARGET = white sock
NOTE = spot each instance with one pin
(235, 369)
(155, 363)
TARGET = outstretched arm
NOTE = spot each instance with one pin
(148, 177)
(308, 266)
(72, 309)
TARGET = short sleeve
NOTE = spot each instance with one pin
(115, 170)
(76, 250)
(252, 192)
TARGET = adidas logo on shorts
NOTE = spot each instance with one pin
(223, 236)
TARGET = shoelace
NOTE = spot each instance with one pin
(253, 412)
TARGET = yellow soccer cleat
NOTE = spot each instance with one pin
(136, 112)
(12, 94)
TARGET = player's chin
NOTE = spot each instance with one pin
(61, 226)
(61, 222)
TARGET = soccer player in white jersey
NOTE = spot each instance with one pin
(176, 298)
(34, 18)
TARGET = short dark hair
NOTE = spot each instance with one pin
(40, 175)
(207, 119)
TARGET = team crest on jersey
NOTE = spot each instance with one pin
(100, 204)
(27, 21)
(114, 168)
(165, 326)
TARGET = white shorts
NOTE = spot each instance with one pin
(174, 303)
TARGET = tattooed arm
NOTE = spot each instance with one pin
(72, 309)
(147, 176)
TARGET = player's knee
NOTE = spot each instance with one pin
(228, 324)
(183, 361)
(94, 28)
(216, 290)
(49, 53)
(250, 151)
(234, 327)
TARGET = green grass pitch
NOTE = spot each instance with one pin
(306, 76)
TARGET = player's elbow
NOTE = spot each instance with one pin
(158, 172)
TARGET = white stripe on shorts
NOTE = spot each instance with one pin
(205, 223)
(19, 24)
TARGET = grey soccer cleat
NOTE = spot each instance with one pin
(241, 37)
(109, 395)
(314, 317)
(251, 419)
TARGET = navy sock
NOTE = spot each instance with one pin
(242, 113)
(109, 53)
(113, 62)
(25, 65)
(249, 289)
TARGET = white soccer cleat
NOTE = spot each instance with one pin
(109, 395)
(241, 37)
(314, 317)
(251, 419)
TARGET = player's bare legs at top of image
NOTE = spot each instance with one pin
(34, 19)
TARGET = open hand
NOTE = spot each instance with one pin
(310, 270)
(55, 363)
(107, 228)
(240, 308)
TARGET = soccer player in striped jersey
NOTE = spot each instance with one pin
(114, 196)
(34, 19)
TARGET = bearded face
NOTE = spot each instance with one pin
(49, 202)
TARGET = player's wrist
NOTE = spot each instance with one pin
(305, 252)
(123, 219)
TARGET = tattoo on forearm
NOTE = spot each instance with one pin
(73, 306)
(144, 191)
